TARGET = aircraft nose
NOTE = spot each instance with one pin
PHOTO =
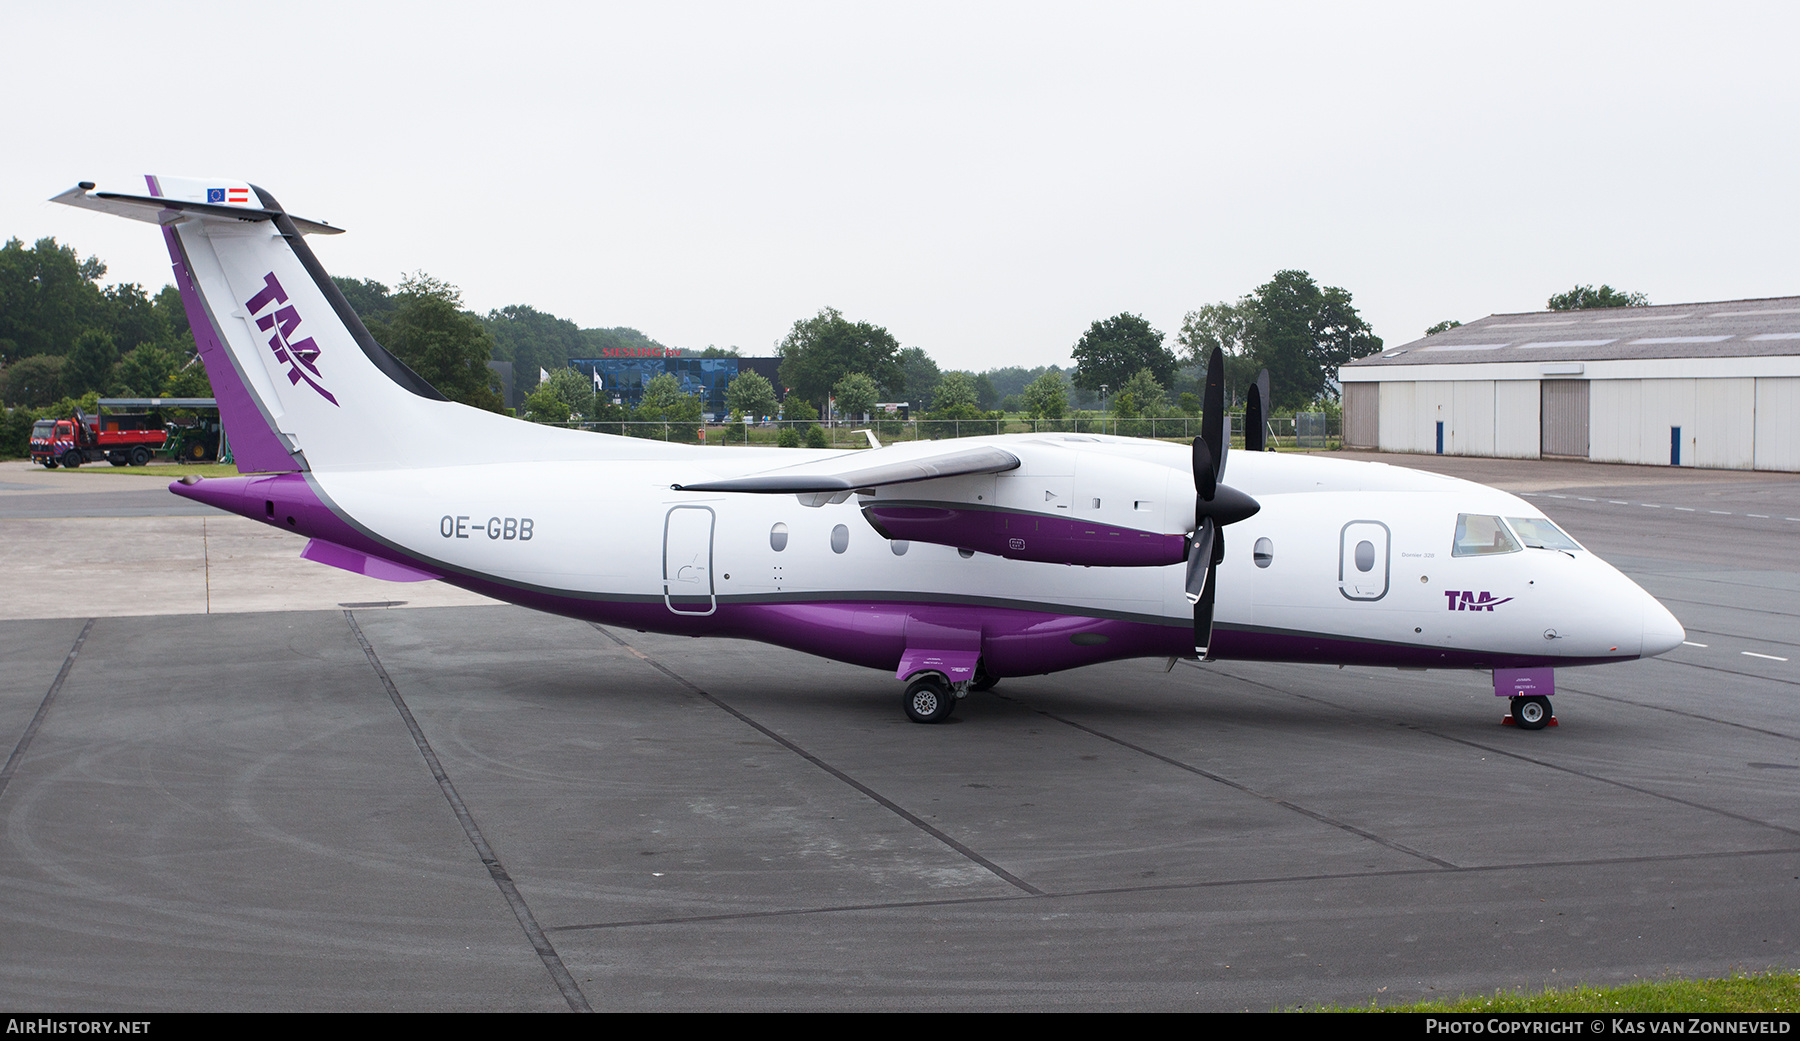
(1662, 633)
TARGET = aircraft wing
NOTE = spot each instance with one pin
(869, 469)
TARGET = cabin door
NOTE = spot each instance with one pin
(1363, 560)
(687, 560)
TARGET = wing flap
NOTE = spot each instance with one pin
(847, 473)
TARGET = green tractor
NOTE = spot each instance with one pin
(196, 443)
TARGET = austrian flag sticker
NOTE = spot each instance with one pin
(239, 195)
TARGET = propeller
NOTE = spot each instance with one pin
(1217, 504)
(1256, 403)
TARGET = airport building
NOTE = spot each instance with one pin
(1707, 384)
(624, 371)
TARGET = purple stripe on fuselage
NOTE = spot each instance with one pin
(1013, 641)
(254, 445)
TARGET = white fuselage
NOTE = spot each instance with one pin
(614, 530)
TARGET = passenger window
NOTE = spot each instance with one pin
(1264, 553)
(1538, 533)
(1479, 536)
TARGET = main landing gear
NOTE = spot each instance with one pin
(1531, 713)
(930, 698)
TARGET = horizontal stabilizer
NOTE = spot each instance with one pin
(167, 211)
(862, 470)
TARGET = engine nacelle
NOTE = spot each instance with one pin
(1021, 535)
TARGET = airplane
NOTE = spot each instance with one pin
(953, 564)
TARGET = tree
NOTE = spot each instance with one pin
(190, 382)
(145, 372)
(750, 394)
(856, 396)
(33, 382)
(1048, 396)
(545, 405)
(1231, 328)
(1582, 298)
(437, 339)
(664, 401)
(919, 377)
(957, 397)
(91, 363)
(1442, 327)
(1303, 333)
(47, 297)
(533, 340)
(1115, 348)
(819, 350)
(367, 297)
(1140, 396)
(575, 389)
(986, 396)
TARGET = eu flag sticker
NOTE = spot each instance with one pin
(215, 195)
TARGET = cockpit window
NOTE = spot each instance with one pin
(1478, 536)
(1538, 533)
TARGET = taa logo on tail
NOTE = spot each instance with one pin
(301, 357)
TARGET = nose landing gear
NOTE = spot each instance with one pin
(1531, 713)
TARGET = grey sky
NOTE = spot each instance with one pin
(982, 179)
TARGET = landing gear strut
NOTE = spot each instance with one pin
(1531, 713)
(929, 699)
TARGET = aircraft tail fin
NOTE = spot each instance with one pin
(300, 382)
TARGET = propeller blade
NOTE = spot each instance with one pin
(1199, 562)
(1206, 480)
(1268, 404)
(1253, 419)
(1203, 616)
(1212, 415)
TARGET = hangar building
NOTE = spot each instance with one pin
(1708, 384)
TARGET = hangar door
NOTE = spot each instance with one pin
(1565, 417)
(1362, 420)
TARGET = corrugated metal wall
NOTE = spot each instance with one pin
(1517, 427)
(1778, 423)
(1563, 406)
(1726, 423)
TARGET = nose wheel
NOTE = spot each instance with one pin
(1531, 713)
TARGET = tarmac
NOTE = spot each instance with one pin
(241, 781)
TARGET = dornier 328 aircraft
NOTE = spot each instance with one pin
(954, 564)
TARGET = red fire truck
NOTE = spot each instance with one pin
(127, 439)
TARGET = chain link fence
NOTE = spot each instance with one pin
(1305, 430)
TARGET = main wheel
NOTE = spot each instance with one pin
(118, 458)
(71, 459)
(928, 701)
(1532, 713)
(140, 456)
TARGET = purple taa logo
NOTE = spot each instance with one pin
(1469, 600)
(302, 356)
